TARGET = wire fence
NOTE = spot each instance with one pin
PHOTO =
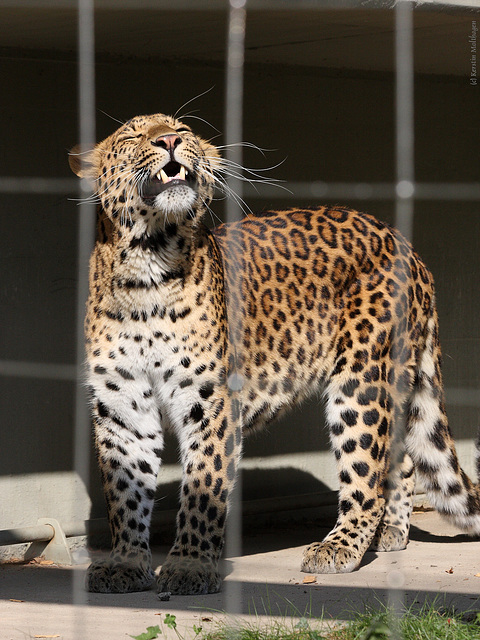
(404, 193)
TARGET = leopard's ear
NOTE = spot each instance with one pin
(85, 163)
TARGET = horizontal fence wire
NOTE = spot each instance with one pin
(315, 189)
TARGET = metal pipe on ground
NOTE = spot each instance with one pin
(45, 532)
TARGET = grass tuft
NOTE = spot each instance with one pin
(429, 622)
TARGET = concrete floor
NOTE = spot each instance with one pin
(46, 601)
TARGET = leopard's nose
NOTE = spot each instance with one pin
(168, 142)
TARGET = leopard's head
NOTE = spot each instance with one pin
(152, 169)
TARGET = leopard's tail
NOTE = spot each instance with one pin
(431, 446)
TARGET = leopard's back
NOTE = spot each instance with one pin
(306, 286)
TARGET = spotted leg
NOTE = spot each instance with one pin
(359, 416)
(210, 442)
(393, 530)
(129, 442)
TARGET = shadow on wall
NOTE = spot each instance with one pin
(268, 496)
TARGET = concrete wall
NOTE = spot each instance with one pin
(330, 126)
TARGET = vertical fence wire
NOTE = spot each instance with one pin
(404, 117)
(86, 219)
(404, 212)
(233, 138)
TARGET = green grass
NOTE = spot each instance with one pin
(426, 623)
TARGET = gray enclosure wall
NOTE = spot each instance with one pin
(328, 123)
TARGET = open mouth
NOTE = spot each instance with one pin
(173, 174)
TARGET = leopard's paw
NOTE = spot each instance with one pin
(389, 538)
(110, 576)
(330, 557)
(189, 576)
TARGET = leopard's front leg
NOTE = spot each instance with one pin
(129, 442)
(210, 442)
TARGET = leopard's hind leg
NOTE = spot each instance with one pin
(359, 425)
(399, 488)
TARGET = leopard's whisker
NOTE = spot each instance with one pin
(193, 117)
(199, 95)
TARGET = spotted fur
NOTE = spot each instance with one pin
(278, 303)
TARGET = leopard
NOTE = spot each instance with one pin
(211, 333)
